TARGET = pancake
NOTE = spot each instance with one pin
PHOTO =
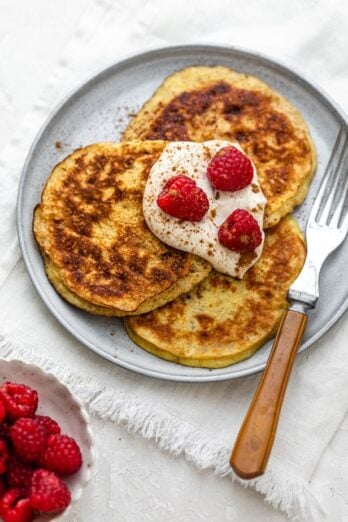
(224, 320)
(99, 253)
(203, 103)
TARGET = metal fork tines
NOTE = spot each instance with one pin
(327, 223)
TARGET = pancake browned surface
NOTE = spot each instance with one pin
(224, 320)
(203, 103)
(98, 251)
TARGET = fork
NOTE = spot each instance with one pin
(326, 229)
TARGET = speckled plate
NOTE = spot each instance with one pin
(99, 111)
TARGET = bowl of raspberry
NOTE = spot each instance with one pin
(46, 445)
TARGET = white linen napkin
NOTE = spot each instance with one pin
(197, 421)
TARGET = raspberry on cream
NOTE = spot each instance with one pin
(230, 170)
(181, 198)
(240, 232)
(201, 237)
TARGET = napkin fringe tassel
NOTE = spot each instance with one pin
(172, 434)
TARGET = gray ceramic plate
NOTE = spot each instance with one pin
(99, 111)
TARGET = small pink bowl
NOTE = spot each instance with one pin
(56, 400)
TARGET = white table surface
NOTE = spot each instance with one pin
(139, 481)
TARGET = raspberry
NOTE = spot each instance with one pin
(230, 170)
(3, 456)
(3, 486)
(47, 492)
(2, 411)
(5, 430)
(50, 426)
(18, 473)
(28, 439)
(240, 232)
(181, 198)
(19, 400)
(15, 506)
(61, 455)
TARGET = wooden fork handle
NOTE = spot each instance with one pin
(255, 439)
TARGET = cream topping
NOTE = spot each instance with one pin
(201, 238)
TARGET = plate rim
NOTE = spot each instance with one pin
(151, 53)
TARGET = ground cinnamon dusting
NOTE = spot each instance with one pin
(245, 259)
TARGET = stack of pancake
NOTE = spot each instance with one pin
(101, 257)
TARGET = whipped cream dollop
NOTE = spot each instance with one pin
(201, 238)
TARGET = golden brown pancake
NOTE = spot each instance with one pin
(99, 253)
(203, 103)
(224, 320)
